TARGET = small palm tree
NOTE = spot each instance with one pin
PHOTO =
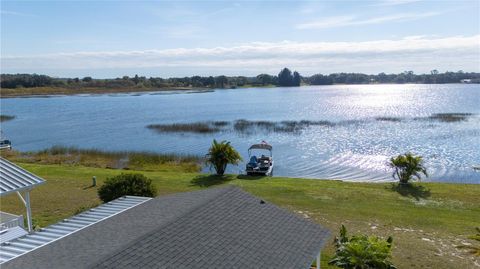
(407, 166)
(221, 154)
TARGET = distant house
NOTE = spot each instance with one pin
(214, 228)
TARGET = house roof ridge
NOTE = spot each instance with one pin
(224, 191)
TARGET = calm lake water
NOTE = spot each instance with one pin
(355, 144)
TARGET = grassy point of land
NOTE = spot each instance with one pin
(46, 91)
(426, 221)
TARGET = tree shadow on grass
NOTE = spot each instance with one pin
(210, 180)
(248, 177)
(415, 191)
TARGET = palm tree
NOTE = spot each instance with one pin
(407, 166)
(221, 154)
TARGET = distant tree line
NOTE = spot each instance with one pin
(406, 77)
(285, 78)
(34, 80)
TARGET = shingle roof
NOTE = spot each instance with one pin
(14, 178)
(215, 228)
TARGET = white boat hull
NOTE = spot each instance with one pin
(261, 172)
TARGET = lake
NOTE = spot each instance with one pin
(360, 126)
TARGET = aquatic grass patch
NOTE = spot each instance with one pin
(450, 117)
(296, 126)
(246, 126)
(249, 127)
(240, 126)
(392, 119)
(220, 123)
(441, 117)
(195, 127)
(6, 118)
(446, 117)
(137, 160)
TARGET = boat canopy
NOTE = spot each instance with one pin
(261, 146)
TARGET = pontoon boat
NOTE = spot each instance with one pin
(5, 143)
(262, 165)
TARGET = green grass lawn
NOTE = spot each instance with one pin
(426, 221)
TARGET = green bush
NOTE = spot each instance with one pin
(126, 184)
(362, 252)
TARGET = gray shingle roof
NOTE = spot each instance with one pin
(215, 228)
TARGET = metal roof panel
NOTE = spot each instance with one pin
(29, 242)
(14, 178)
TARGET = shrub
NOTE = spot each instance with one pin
(362, 252)
(221, 154)
(407, 166)
(126, 184)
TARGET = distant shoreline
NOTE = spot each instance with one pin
(63, 91)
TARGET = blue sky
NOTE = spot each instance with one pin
(184, 38)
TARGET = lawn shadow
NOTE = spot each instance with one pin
(415, 191)
(248, 177)
(210, 180)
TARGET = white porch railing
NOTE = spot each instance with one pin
(9, 221)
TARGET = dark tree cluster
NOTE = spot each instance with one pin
(287, 79)
(25, 80)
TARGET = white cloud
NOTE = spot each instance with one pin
(340, 21)
(416, 53)
(15, 13)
